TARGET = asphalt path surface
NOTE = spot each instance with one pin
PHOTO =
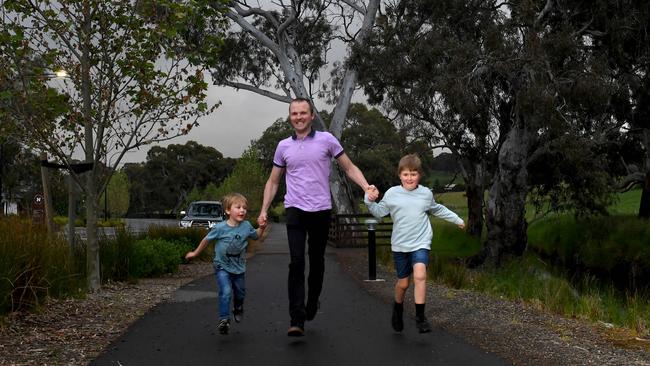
(351, 327)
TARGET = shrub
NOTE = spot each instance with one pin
(154, 257)
(34, 266)
(611, 247)
(184, 239)
(115, 256)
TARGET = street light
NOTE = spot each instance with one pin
(61, 73)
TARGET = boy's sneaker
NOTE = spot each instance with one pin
(224, 326)
(296, 330)
(396, 320)
(238, 314)
(423, 325)
(311, 309)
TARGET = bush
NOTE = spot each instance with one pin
(610, 247)
(34, 266)
(184, 239)
(154, 257)
(115, 256)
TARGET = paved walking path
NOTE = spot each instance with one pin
(351, 328)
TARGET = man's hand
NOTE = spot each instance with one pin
(373, 193)
(262, 220)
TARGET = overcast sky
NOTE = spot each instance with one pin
(242, 116)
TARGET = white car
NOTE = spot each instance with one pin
(202, 214)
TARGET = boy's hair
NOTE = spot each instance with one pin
(409, 162)
(302, 100)
(233, 198)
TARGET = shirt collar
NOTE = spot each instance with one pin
(310, 134)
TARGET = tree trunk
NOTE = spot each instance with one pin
(47, 197)
(474, 194)
(92, 245)
(342, 199)
(341, 190)
(474, 177)
(72, 210)
(644, 206)
(506, 222)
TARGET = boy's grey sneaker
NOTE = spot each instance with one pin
(224, 326)
(238, 314)
(423, 325)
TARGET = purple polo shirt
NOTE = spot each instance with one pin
(307, 168)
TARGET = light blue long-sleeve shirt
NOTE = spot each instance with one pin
(409, 211)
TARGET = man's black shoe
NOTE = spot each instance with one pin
(296, 330)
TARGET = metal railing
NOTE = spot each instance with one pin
(351, 231)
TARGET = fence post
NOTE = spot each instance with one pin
(372, 249)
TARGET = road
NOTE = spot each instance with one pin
(351, 328)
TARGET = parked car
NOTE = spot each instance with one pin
(202, 214)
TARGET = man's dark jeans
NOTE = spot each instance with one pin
(313, 228)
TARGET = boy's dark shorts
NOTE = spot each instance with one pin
(404, 262)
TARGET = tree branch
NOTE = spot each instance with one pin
(266, 93)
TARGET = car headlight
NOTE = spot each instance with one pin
(185, 223)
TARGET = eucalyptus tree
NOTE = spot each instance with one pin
(132, 81)
(505, 84)
(280, 49)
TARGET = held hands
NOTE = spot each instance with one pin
(262, 220)
(373, 193)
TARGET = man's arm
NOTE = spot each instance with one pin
(270, 189)
(354, 173)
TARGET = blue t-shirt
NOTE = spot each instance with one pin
(230, 245)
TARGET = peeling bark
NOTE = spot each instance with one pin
(506, 222)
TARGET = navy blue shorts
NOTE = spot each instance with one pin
(404, 262)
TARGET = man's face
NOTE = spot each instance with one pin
(301, 117)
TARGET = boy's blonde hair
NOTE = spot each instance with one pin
(232, 198)
(409, 162)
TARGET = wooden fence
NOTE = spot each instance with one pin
(352, 231)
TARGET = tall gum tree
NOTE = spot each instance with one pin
(133, 81)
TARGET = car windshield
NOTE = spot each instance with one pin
(205, 209)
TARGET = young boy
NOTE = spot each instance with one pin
(408, 205)
(231, 239)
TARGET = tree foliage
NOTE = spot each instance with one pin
(507, 87)
(163, 182)
(133, 80)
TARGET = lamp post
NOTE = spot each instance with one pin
(372, 250)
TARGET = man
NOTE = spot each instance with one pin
(306, 157)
